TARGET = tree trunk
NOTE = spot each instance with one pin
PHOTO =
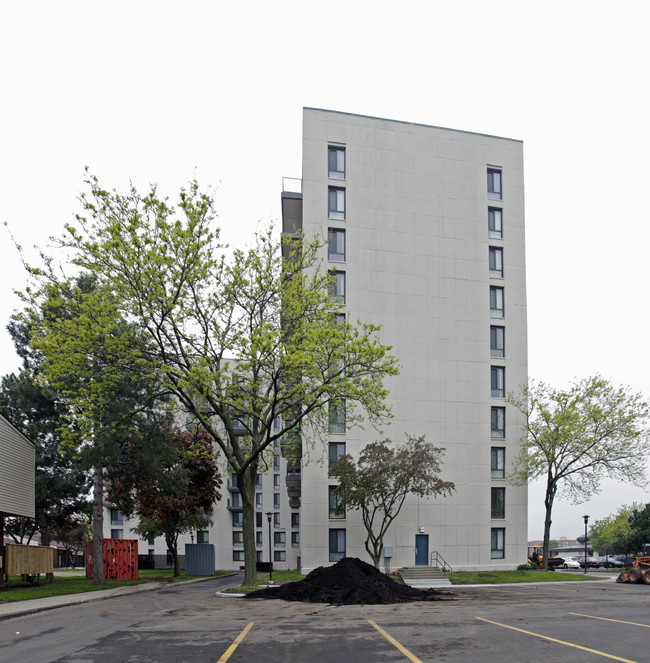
(172, 546)
(246, 483)
(98, 525)
(551, 487)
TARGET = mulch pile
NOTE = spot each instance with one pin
(349, 582)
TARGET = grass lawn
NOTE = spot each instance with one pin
(17, 590)
(502, 577)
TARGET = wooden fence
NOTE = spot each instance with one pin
(28, 559)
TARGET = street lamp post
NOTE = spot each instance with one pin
(586, 521)
(269, 514)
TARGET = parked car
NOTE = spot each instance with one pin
(626, 560)
(571, 563)
(592, 562)
(610, 562)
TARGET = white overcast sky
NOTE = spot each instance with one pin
(163, 91)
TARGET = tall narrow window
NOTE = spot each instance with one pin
(337, 287)
(496, 262)
(259, 539)
(497, 341)
(497, 309)
(336, 450)
(498, 381)
(336, 162)
(295, 539)
(498, 503)
(258, 519)
(279, 539)
(498, 422)
(238, 538)
(336, 245)
(295, 520)
(337, 417)
(498, 542)
(276, 519)
(337, 544)
(494, 184)
(258, 501)
(276, 500)
(237, 518)
(495, 222)
(498, 462)
(276, 482)
(336, 203)
(334, 504)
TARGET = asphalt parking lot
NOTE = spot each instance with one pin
(564, 622)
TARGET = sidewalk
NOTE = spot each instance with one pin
(29, 606)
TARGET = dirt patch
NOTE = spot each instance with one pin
(349, 582)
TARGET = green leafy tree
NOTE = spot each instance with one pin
(378, 483)
(91, 357)
(576, 437)
(244, 339)
(169, 479)
(606, 532)
(638, 531)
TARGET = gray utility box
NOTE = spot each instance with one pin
(199, 559)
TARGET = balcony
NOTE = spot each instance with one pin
(294, 474)
(291, 205)
(291, 446)
(294, 502)
(231, 485)
(234, 505)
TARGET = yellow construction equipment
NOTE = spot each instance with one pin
(640, 571)
(536, 557)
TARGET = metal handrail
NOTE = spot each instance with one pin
(437, 560)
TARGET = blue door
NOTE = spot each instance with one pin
(421, 549)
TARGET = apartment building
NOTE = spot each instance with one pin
(425, 236)
(423, 228)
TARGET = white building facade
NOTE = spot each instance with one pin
(424, 227)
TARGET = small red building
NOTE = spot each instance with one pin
(120, 559)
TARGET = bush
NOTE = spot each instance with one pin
(528, 566)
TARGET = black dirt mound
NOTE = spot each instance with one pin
(348, 582)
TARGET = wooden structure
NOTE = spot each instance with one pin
(120, 559)
(28, 560)
(17, 475)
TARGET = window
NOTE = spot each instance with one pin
(279, 539)
(497, 341)
(276, 520)
(498, 381)
(496, 302)
(336, 203)
(339, 319)
(238, 519)
(276, 500)
(295, 539)
(277, 423)
(496, 262)
(498, 423)
(202, 536)
(151, 542)
(336, 450)
(233, 480)
(236, 501)
(276, 463)
(279, 556)
(495, 222)
(116, 517)
(337, 544)
(336, 245)
(258, 519)
(258, 501)
(494, 184)
(258, 556)
(336, 162)
(498, 503)
(117, 533)
(498, 542)
(337, 287)
(276, 482)
(237, 555)
(258, 539)
(498, 462)
(258, 481)
(295, 520)
(334, 503)
(237, 538)
(337, 416)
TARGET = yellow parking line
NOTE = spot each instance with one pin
(228, 653)
(607, 619)
(561, 642)
(394, 642)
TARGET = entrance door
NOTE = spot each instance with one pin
(421, 549)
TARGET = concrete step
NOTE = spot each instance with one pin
(415, 572)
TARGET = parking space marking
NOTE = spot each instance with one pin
(228, 653)
(561, 642)
(394, 642)
(608, 619)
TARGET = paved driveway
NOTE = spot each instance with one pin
(548, 622)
